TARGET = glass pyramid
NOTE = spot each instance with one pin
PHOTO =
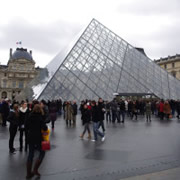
(101, 63)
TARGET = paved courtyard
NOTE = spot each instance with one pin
(131, 150)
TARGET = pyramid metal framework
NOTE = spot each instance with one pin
(101, 63)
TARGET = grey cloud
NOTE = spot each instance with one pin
(162, 43)
(149, 7)
(49, 39)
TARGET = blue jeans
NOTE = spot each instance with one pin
(96, 130)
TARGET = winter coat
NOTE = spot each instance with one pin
(161, 107)
(134, 108)
(122, 106)
(167, 108)
(34, 124)
(114, 105)
(74, 106)
(101, 111)
(148, 108)
(5, 109)
(68, 112)
(86, 116)
(94, 114)
(46, 116)
(53, 112)
(13, 119)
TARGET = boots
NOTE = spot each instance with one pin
(89, 135)
(36, 167)
(29, 172)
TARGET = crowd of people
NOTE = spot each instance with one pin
(31, 118)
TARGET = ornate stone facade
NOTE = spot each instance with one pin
(18, 72)
(171, 64)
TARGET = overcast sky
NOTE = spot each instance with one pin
(47, 26)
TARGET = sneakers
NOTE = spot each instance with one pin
(103, 138)
(93, 140)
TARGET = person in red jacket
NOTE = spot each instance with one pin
(161, 109)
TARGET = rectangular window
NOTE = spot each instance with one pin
(173, 65)
(4, 83)
(14, 84)
(165, 66)
(21, 84)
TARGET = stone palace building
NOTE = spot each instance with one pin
(18, 72)
(171, 64)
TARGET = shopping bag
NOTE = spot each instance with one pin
(45, 145)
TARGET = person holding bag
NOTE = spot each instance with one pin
(34, 124)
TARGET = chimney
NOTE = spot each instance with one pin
(10, 53)
(30, 52)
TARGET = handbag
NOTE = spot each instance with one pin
(45, 145)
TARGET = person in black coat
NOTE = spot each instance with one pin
(96, 122)
(122, 110)
(23, 115)
(86, 117)
(13, 119)
(34, 124)
(101, 112)
(5, 111)
(74, 106)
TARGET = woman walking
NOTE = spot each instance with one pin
(34, 125)
(13, 118)
(86, 121)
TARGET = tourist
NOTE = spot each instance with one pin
(122, 110)
(23, 115)
(108, 111)
(68, 113)
(45, 109)
(148, 111)
(13, 119)
(134, 109)
(5, 111)
(34, 124)
(86, 117)
(101, 112)
(74, 107)
(161, 109)
(53, 113)
(96, 121)
(167, 110)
